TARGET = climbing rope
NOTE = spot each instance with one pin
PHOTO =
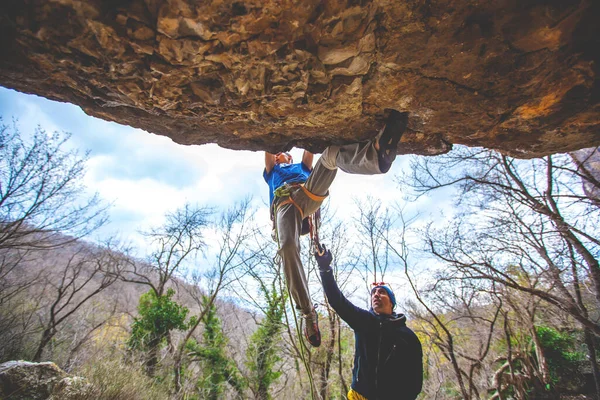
(303, 349)
(285, 191)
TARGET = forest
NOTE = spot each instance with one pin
(503, 290)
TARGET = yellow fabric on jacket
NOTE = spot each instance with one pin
(352, 395)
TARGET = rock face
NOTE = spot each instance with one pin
(520, 76)
(589, 160)
(36, 381)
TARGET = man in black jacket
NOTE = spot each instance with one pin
(388, 359)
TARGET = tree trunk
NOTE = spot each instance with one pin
(541, 358)
(46, 337)
(152, 360)
(262, 392)
(589, 341)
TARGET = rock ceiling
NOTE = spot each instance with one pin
(517, 76)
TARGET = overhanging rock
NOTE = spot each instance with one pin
(517, 76)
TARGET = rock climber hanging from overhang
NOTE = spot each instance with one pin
(297, 190)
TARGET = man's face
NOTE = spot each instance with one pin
(381, 302)
(283, 158)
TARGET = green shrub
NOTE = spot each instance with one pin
(159, 315)
(217, 368)
(561, 354)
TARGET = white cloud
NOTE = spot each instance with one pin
(142, 197)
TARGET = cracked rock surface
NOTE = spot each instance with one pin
(23, 380)
(517, 76)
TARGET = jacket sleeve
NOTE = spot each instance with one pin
(417, 367)
(354, 316)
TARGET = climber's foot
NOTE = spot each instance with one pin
(388, 141)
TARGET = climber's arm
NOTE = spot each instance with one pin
(307, 159)
(269, 162)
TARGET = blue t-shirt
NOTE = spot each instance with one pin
(285, 173)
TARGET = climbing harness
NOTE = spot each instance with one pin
(285, 193)
(311, 223)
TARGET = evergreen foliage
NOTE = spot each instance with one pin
(262, 352)
(563, 358)
(159, 315)
(217, 368)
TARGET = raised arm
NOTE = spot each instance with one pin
(354, 316)
(307, 159)
(269, 161)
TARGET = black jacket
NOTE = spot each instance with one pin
(388, 359)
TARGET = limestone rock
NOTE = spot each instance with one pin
(517, 76)
(589, 164)
(36, 381)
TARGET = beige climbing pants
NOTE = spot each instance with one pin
(358, 158)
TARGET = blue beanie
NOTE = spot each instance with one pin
(389, 292)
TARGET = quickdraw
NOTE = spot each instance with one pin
(313, 222)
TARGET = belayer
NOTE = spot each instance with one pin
(388, 358)
(297, 191)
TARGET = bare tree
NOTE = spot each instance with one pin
(42, 195)
(346, 263)
(520, 371)
(173, 244)
(260, 285)
(43, 206)
(458, 317)
(12, 281)
(177, 242)
(374, 224)
(84, 329)
(19, 305)
(234, 230)
(460, 321)
(541, 200)
(526, 218)
(86, 272)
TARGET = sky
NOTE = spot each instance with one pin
(144, 175)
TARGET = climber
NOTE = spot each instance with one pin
(297, 191)
(388, 358)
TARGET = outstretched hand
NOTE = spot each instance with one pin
(323, 258)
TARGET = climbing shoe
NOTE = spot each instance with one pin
(311, 328)
(395, 126)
